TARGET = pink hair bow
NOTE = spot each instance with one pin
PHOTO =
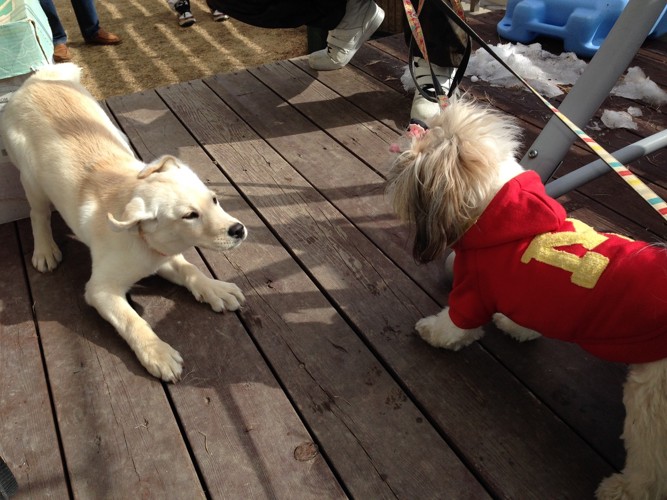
(415, 130)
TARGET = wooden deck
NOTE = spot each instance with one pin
(319, 387)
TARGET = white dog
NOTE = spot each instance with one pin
(520, 261)
(136, 218)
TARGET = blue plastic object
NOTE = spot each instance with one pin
(581, 24)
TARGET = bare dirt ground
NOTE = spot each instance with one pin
(156, 51)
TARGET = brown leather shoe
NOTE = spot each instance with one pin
(104, 38)
(61, 53)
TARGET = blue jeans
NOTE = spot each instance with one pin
(86, 18)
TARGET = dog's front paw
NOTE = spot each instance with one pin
(219, 294)
(440, 331)
(161, 360)
(46, 258)
(427, 329)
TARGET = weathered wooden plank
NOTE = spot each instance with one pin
(119, 433)
(241, 427)
(28, 439)
(246, 436)
(351, 404)
(355, 189)
(655, 48)
(373, 95)
(501, 430)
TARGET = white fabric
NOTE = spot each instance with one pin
(362, 18)
(422, 108)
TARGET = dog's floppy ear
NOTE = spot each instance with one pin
(134, 213)
(413, 197)
(162, 164)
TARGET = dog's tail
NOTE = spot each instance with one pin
(64, 71)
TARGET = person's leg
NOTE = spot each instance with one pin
(361, 19)
(57, 29)
(445, 45)
(89, 24)
(61, 52)
(218, 15)
(86, 18)
(183, 12)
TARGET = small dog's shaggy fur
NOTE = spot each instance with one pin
(520, 261)
(136, 218)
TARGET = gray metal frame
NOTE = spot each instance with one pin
(593, 170)
(590, 90)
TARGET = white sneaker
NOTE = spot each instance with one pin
(362, 18)
(422, 108)
(185, 17)
(219, 16)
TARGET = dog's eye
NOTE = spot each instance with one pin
(191, 215)
(215, 200)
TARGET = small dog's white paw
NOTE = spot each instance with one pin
(161, 360)
(46, 258)
(220, 295)
(426, 328)
(440, 331)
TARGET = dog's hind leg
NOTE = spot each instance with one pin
(158, 357)
(645, 436)
(517, 332)
(220, 295)
(46, 254)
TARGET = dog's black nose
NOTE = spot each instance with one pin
(237, 231)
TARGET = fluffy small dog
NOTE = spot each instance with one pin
(136, 218)
(520, 261)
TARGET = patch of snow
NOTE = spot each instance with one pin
(634, 111)
(618, 119)
(636, 85)
(543, 70)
